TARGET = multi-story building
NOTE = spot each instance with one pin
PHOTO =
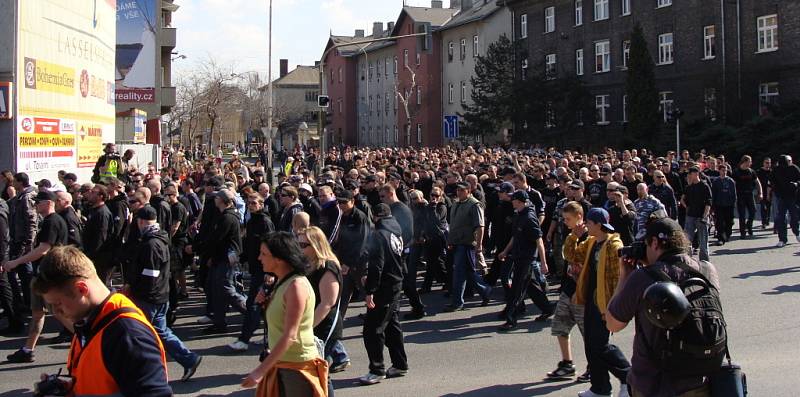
(339, 78)
(476, 25)
(377, 99)
(295, 102)
(716, 60)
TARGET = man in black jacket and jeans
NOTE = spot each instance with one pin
(785, 179)
(97, 232)
(147, 284)
(383, 284)
(223, 251)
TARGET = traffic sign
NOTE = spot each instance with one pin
(450, 127)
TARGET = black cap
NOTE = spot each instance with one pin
(576, 184)
(216, 181)
(663, 229)
(520, 195)
(394, 175)
(506, 187)
(605, 169)
(147, 213)
(622, 189)
(462, 185)
(343, 195)
(45, 195)
(258, 173)
(352, 184)
(381, 211)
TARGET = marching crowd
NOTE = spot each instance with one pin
(527, 221)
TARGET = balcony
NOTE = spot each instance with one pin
(168, 37)
(168, 96)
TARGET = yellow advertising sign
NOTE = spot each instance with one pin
(65, 67)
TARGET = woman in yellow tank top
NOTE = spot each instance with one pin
(293, 368)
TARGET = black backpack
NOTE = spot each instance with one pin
(698, 345)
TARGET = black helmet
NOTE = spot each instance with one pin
(665, 304)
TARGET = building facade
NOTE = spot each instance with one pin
(295, 103)
(476, 25)
(377, 99)
(713, 61)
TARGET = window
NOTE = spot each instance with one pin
(768, 97)
(419, 59)
(602, 56)
(624, 108)
(386, 104)
(394, 100)
(475, 46)
(405, 58)
(378, 67)
(370, 105)
(665, 49)
(626, 53)
(387, 67)
(524, 71)
(579, 62)
(395, 65)
(523, 26)
(419, 95)
(549, 115)
(385, 134)
(578, 12)
(450, 93)
(340, 75)
(550, 66)
(664, 3)
(600, 10)
(311, 96)
(463, 49)
(419, 133)
(332, 80)
(626, 7)
(709, 42)
(768, 33)
(665, 104)
(450, 49)
(371, 71)
(601, 105)
(378, 101)
(340, 106)
(463, 92)
(710, 103)
(396, 135)
(549, 19)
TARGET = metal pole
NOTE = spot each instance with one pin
(269, 99)
(678, 136)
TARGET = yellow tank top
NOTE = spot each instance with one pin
(304, 348)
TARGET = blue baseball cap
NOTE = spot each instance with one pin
(601, 217)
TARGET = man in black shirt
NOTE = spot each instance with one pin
(785, 179)
(97, 232)
(766, 188)
(179, 239)
(747, 184)
(697, 200)
(67, 211)
(160, 204)
(52, 233)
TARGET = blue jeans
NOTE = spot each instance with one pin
(699, 227)
(784, 205)
(157, 314)
(335, 352)
(255, 312)
(464, 270)
(221, 285)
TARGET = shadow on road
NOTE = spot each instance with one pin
(770, 272)
(198, 384)
(17, 393)
(518, 390)
(783, 289)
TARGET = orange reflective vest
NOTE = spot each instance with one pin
(86, 364)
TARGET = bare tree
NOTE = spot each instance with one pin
(404, 99)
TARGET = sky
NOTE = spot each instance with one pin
(235, 32)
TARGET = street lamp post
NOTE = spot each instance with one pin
(269, 100)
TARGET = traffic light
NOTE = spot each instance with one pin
(323, 101)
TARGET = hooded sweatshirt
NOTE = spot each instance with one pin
(148, 275)
(386, 270)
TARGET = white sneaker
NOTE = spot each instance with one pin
(623, 390)
(780, 244)
(238, 346)
(205, 320)
(589, 393)
(371, 379)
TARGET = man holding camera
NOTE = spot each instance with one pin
(116, 351)
(666, 251)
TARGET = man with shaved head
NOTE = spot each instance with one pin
(74, 226)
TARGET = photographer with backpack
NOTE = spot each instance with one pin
(680, 336)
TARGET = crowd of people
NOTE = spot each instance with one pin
(364, 227)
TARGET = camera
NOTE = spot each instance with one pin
(636, 251)
(53, 385)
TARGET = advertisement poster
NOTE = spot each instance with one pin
(139, 126)
(136, 51)
(66, 70)
(6, 100)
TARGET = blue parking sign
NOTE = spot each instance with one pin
(450, 127)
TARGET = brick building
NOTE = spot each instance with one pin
(714, 61)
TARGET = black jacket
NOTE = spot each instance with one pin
(329, 219)
(208, 219)
(434, 221)
(163, 211)
(526, 233)
(74, 226)
(97, 232)
(24, 220)
(785, 180)
(5, 238)
(285, 224)
(351, 243)
(226, 237)
(273, 209)
(403, 216)
(385, 270)
(148, 275)
(258, 226)
(120, 209)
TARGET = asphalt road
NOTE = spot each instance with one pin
(461, 354)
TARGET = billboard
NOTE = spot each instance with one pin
(136, 51)
(6, 100)
(65, 62)
(139, 126)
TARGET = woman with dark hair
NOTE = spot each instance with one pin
(294, 367)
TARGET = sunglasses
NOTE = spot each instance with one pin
(660, 176)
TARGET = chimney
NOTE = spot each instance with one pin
(389, 27)
(436, 3)
(284, 67)
(377, 29)
(455, 4)
(359, 33)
